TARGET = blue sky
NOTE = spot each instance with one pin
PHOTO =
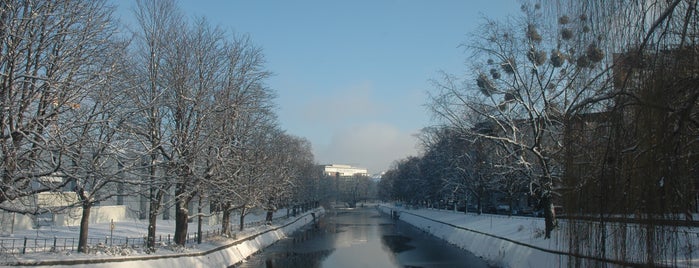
(352, 76)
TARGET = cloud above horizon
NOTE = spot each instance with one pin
(357, 125)
(351, 103)
(374, 146)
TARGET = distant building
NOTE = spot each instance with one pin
(343, 170)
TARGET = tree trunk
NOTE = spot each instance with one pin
(199, 222)
(480, 205)
(510, 203)
(549, 215)
(181, 224)
(242, 218)
(153, 218)
(84, 227)
(226, 222)
(156, 197)
(270, 215)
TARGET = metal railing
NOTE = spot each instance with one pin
(58, 244)
(28, 245)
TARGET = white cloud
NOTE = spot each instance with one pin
(352, 103)
(358, 124)
(374, 146)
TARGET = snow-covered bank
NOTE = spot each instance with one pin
(501, 240)
(475, 239)
(220, 253)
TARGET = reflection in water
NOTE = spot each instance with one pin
(397, 243)
(361, 238)
(294, 259)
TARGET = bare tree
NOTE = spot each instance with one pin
(191, 71)
(158, 21)
(251, 185)
(95, 158)
(445, 159)
(241, 111)
(404, 181)
(527, 79)
(48, 60)
(289, 155)
(306, 188)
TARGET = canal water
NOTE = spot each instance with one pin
(361, 237)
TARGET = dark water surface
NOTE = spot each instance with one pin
(361, 238)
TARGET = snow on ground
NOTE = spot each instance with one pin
(213, 252)
(501, 240)
(499, 252)
(132, 228)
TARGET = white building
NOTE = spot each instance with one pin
(343, 170)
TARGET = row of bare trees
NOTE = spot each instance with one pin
(592, 105)
(529, 75)
(454, 172)
(172, 107)
(503, 131)
(61, 66)
(352, 190)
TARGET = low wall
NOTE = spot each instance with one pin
(98, 214)
(21, 222)
(67, 217)
(222, 256)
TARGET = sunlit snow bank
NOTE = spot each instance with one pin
(217, 254)
(499, 252)
(502, 240)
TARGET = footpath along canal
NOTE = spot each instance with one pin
(361, 237)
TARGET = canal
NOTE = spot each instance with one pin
(361, 237)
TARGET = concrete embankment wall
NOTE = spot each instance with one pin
(222, 256)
